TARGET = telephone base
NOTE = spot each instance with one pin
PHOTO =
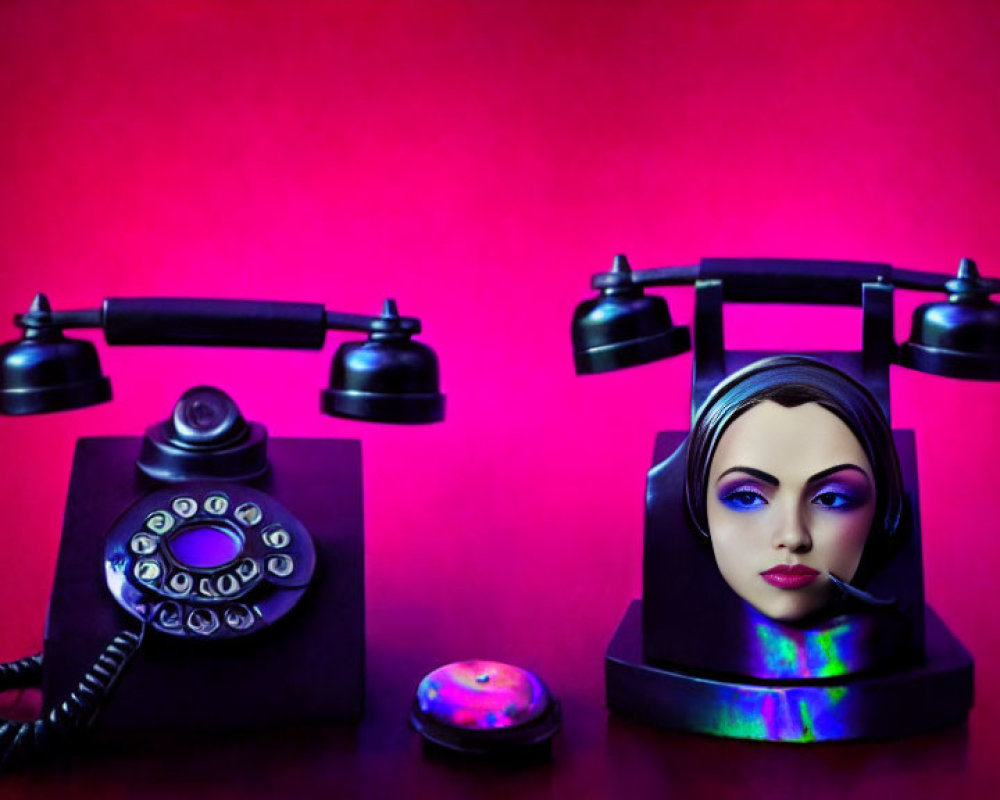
(307, 667)
(924, 697)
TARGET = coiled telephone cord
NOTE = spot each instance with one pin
(21, 742)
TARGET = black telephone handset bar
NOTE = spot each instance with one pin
(213, 322)
(780, 280)
(787, 280)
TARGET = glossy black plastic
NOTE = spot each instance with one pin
(959, 337)
(793, 280)
(623, 327)
(388, 378)
(179, 685)
(44, 371)
(233, 323)
(207, 417)
(205, 438)
(711, 664)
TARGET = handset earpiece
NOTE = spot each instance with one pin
(958, 337)
(45, 371)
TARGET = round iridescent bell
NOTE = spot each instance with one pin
(484, 707)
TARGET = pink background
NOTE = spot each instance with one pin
(478, 162)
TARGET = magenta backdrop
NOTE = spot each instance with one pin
(478, 161)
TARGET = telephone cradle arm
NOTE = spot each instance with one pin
(20, 742)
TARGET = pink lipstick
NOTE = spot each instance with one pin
(790, 576)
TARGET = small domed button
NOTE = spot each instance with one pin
(227, 584)
(280, 566)
(248, 514)
(148, 571)
(159, 522)
(180, 582)
(203, 621)
(276, 538)
(481, 707)
(238, 617)
(247, 569)
(184, 506)
(143, 544)
(216, 504)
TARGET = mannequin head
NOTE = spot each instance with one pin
(792, 474)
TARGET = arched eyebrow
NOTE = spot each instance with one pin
(827, 472)
(767, 477)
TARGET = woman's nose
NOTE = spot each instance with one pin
(792, 532)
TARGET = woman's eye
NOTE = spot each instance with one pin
(832, 500)
(742, 499)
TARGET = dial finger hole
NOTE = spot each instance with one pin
(184, 507)
(280, 566)
(180, 582)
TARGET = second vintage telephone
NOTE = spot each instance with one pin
(222, 567)
(693, 654)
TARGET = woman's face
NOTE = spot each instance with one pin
(791, 496)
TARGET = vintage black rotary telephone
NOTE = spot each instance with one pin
(224, 567)
(692, 655)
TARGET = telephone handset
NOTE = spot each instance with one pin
(212, 562)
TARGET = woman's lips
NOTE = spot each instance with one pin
(790, 576)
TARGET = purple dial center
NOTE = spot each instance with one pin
(205, 546)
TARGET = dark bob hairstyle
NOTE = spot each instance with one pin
(792, 381)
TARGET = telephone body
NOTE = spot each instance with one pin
(694, 655)
(715, 665)
(255, 588)
(208, 576)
